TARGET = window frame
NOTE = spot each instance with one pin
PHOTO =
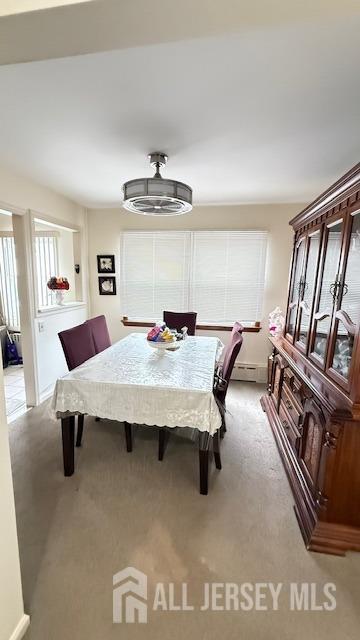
(38, 235)
(81, 286)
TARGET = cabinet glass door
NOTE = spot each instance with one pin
(295, 288)
(328, 288)
(348, 311)
(307, 289)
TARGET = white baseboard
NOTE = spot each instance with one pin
(20, 628)
(47, 393)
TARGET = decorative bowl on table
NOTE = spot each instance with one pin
(162, 338)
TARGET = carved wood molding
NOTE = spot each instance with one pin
(321, 315)
(347, 322)
(305, 307)
(344, 193)
(280, 360)
(331, 440)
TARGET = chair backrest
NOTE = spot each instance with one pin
(237, 328)
(177, 321)
(77, 344)
(100, 333)
(232, 351)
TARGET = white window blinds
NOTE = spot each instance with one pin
(154, 274)
(218, 274)
(8, 283)
(228, 274)
(46, 266)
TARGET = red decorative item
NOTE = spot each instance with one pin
(59, 285)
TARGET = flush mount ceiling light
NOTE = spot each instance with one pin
(157, 196)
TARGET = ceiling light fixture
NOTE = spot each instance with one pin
(157, 196)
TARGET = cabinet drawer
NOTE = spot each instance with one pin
(289, 428)
(291, 405)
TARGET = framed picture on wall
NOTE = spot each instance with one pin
(106, 264)
(107, 285)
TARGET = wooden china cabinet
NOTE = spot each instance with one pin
(313, 400)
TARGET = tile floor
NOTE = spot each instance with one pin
(14, 391)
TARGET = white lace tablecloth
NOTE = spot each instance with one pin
(132, 382)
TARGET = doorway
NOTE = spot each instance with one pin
(10, 327)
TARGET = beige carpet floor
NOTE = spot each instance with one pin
(123, 509)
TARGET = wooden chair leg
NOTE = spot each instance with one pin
(204, 462)
(128, 436)
(216, 449)
(163, 440)
(68, 437)
(223, 427)
(80, 428)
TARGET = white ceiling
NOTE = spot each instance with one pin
(271, 114)
(9, 7)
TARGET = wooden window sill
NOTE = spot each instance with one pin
(206, 327)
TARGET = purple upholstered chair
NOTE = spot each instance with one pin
(224, 374)
(177, 321)
(231, 353)
(78, 346)
(100, 333)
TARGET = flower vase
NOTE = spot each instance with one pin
(59, 295)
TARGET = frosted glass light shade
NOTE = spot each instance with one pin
(157, 197)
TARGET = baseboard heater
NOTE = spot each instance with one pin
(249, 372)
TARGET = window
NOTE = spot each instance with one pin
(228, 273)
(46, 266)
(8, 283)
(155, 273)
(219, 274)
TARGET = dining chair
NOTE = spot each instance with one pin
(177, 321)
(223, 375)
(78, 346)
(100, 333)
(226, 368)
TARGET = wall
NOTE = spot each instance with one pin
(6, 223)
(21, 193)
(104, 235)
(66, 261)
(11, 602)
(49, 353)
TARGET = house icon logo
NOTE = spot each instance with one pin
(129, 596)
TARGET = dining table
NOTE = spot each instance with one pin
(133, 383)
